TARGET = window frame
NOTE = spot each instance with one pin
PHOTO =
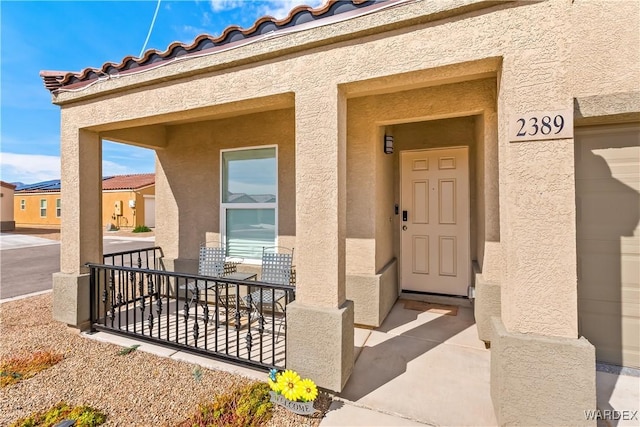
(43, 207)
(253, 206)
(23, 204)
(58, 207)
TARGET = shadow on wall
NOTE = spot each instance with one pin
(607, 215)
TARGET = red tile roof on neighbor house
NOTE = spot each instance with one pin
(205, 43)
(129, 182)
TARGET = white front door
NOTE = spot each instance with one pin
(434, 221)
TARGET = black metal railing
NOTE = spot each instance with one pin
(148, 258)
(236, 320)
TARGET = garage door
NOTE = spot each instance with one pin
(608, 242)
(149, 211)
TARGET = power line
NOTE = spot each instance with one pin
(153, 21)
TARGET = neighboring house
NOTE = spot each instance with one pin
(127, 201)
(458, 148)
(7, 222)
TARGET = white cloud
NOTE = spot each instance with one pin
(276, 8)
(32, 168)
(112, 168)
(29, 168)
(219, 5)
(280, 8)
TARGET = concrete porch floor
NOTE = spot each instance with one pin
(420, 366)
(426, 368)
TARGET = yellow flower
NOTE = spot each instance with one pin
(309, 390)
(289, 383)
(274, 385)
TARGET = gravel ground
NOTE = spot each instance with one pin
(134, 389)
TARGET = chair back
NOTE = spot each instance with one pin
(276, 265)
(211, 261)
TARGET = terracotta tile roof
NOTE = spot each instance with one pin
(116, 182)
(129, 182)
(7, 185)
(54, 80)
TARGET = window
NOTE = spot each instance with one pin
(249, 201)
(23, 204)
(58, 208)
(43, 208)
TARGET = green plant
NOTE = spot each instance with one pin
(245, 406)
(85, 416)
(128, 350)
(197, 373)
(141, 229)
(22, 367)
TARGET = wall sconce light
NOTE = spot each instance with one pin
(388, 144)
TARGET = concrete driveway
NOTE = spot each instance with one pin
(18, 241)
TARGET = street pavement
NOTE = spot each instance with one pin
(27, 263)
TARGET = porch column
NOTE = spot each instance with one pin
(320, 321)
(81, 223)
(540, 369)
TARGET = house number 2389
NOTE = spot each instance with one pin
(541, 125)
(545, 125)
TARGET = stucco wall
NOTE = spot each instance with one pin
(6, 208)
(604, 60)
(31, 214)
(188, 177)
(131, 217)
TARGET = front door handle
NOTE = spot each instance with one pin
(404, 216)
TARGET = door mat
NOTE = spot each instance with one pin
(450, 310)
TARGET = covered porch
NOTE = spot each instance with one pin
(319, 103)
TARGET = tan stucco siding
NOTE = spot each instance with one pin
(188, 177)
(6, 204)
(31, 214)
(130, 216)
(474, 37)
(604, 60)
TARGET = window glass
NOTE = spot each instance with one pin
(58, 208)
(249, 230)
(43, 207)
(249, 195)
(249, 176)
(23, 204)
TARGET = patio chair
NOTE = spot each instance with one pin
(213, 262)
(277, 268)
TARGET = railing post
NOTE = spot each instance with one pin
(92, 297)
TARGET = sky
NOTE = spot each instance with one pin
(73, 35)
